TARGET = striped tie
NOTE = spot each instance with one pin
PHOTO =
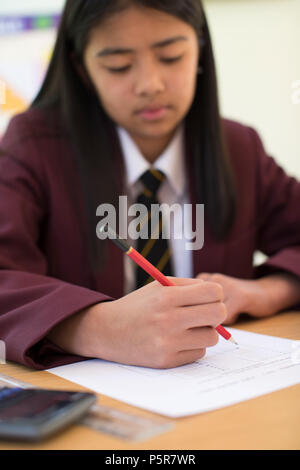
(155, 249)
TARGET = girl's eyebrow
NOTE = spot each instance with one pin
(118, 50)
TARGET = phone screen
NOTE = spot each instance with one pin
(36, 413)
(32, 403)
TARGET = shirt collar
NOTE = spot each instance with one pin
(170, 162)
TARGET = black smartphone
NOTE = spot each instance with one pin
(34, 414)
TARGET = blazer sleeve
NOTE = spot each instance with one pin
(31, 302)
(278, 215)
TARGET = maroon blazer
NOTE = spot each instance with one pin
(44, 273)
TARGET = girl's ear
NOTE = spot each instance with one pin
(80, 70)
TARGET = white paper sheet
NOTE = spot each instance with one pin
(228, 374)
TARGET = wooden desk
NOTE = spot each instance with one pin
(269, 422)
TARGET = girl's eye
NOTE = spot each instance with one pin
(166, 60)
(119, 69)
(171, 60)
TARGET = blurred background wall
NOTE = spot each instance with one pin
(257, 49)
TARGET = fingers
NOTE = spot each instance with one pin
(181, 359)
(184, 281)
(199, 338)
(204, 276)
(212, 314)
(188, 356)
(204, 293)
(182, 320)
(191, 292)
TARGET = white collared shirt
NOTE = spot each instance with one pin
(173, 190)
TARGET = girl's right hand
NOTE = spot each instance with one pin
(155, 326)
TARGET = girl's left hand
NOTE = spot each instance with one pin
(240, 296)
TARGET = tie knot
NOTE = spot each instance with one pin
(151, 181)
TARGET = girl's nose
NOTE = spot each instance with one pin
(149, 80)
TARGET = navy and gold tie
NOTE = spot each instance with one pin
(154, 248)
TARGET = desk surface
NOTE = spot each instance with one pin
(271, 421)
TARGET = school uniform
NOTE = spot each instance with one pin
(45, 276)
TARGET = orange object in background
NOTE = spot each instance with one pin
(13, 103)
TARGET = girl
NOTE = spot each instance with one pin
(130, 100)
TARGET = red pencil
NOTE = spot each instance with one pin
(153, 271)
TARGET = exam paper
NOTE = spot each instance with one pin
(228, 374)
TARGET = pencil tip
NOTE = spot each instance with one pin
(233, 340)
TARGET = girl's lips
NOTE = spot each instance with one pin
(152, 114)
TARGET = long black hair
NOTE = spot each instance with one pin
(67, 87)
